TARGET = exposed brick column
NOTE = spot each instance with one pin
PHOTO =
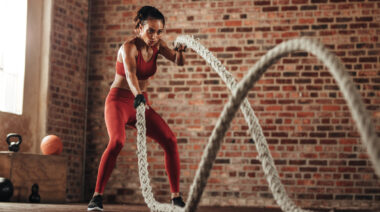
(67, 86)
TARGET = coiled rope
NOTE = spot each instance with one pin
(238, 99)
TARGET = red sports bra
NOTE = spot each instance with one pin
(144, 70)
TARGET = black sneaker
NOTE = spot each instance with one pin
(178, 201)
(95, 203)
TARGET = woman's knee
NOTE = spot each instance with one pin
(170, 144)
(115, 144)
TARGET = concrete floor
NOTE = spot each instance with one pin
(13, 207)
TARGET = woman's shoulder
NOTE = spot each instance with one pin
(127, 48)
(161, 44)
(130, 44)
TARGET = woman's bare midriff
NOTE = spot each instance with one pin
(121, 82)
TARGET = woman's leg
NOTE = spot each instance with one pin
(116, 130)
(158, 130)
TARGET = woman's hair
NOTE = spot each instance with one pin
(148, 12)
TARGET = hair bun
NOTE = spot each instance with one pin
(146, 12)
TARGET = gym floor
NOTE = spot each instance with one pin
(13, 207)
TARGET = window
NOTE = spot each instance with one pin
(12, 54)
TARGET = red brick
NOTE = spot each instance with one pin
(233, 48)
(261, 3)
(270, 9)
(233, 23)
(306, 21)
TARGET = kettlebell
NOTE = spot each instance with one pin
(6, 189)
(14, 146)
(35, 197)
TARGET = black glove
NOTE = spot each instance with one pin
(180, 48)
(138, 100)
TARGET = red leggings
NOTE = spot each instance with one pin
(119, 111)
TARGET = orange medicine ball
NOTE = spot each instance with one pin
(51, 145)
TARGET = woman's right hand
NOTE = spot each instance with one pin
(138, 100)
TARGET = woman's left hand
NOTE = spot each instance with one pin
(180, 48)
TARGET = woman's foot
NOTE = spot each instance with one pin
(96, 203)
(178, 201)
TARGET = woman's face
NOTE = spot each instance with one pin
(151, 30)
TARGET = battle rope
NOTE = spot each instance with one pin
(238, 99)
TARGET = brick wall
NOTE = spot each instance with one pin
(312, 137)
(67, 86)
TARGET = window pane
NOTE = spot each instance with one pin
(12, 54)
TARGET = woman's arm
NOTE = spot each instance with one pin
(128, 52)
(175, 56)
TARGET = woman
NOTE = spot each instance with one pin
(136, 62)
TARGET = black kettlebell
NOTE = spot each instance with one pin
(14, 146)
(6, 189)
(35, 197)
